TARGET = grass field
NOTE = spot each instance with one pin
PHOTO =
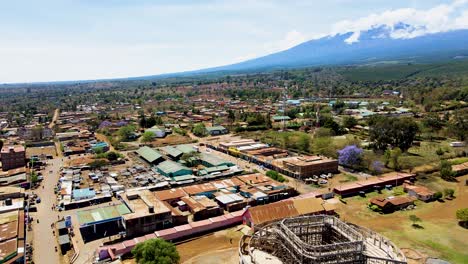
(396, 71)
(441, 236)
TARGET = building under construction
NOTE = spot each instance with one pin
(317, 239)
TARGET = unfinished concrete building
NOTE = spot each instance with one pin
(317, 239)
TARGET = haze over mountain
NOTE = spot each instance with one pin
(380, 44)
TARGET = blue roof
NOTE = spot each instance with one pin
(100, 145)
(80, 193)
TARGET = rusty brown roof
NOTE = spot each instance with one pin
(284, 209)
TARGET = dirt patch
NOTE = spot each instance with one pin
(211, 246)
(413, 256)
(174, 139)
(226, 256)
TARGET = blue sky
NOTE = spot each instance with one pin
(90, 39)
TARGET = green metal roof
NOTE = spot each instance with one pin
(172, 151)
(214, 161)
(168, 167)
(102, 214)
(149, 154)
(209, 170)
(187, 148)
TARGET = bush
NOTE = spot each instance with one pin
(375, 208)
(446, 170)
(462, 216)
(438, 195)
(449, 193)
(199, 130)
(275, 176)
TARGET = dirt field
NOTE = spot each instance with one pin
(441, 236)
(173, 139)
(219, 247)
(38, 151)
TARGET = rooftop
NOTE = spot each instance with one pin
(254, 178)
(305, 160)
(90, 216)
(16, 148)
(170, 194)
(169, 166)
(149, 154)
(171, 151)
(284, 209)
(145, 204)
(199, 188)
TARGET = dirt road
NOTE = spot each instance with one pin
(43, 239)
(54, 118)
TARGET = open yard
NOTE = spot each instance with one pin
(441, 236)
(218, 247)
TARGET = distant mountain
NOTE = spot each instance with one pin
(379, 44)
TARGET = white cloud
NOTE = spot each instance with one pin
(440, 18)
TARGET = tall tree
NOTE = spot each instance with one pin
(156, 251)
(394, 132)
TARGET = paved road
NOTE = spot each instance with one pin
(43, 239)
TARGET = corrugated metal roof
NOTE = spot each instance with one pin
(100, 214)
(168, 167)
(288, 208)
(214, 161)
(187, 148)
(171, 151)
(149, 154)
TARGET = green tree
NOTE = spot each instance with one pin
(155, 251)
(191, 157)
(446, 170)
(414, 219)
(199, 130)
(303, 143)
(449, 192)
(462, 216)
(275, 176)
(459, 124)
(394, 132)
(147, 136)
(324, 146)
(395, 156)
(387, 156)
(112, 155)
(432, 123)
(34, 177)
(438, 195)
(126, 132)
(349, 122)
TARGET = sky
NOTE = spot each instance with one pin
(60, 40)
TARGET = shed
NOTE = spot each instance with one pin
(216, 130)
(150, 155)
(171, 169)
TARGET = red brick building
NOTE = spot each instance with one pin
(13, 157)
